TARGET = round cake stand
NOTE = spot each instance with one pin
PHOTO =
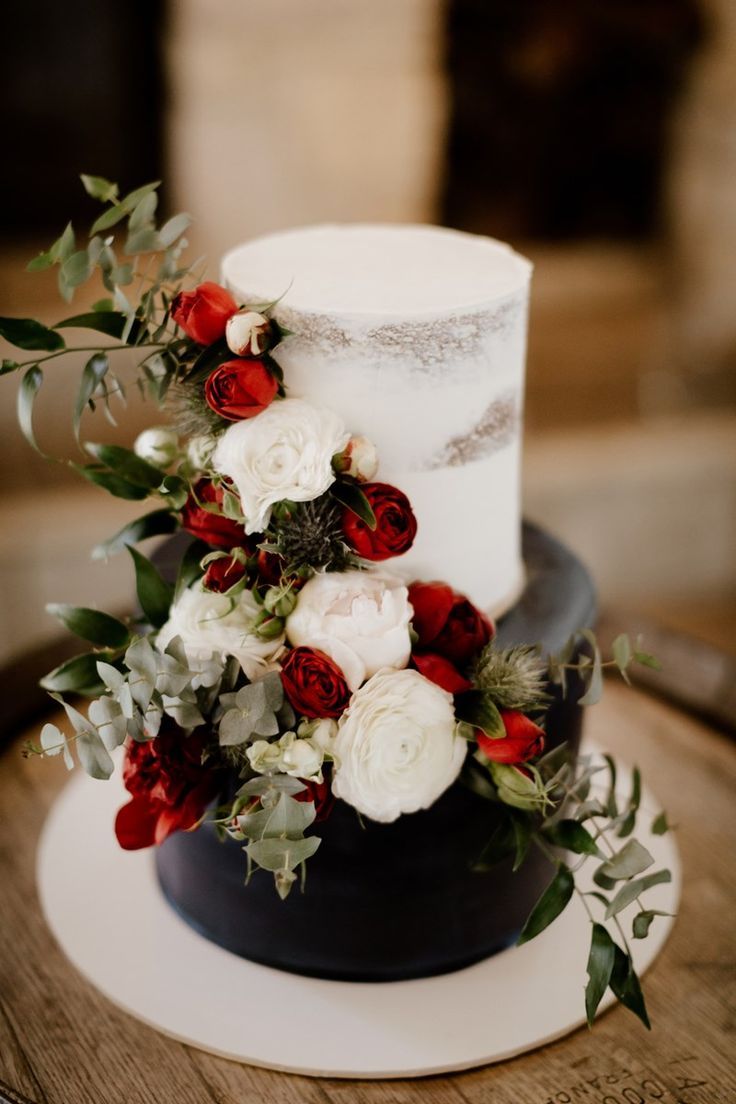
(108, 914)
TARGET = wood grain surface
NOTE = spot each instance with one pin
(63, 1043)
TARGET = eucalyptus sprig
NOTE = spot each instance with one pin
(590, 665)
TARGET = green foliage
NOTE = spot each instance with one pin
(154, 594)
(254, 711)
(27, 333)
(155, 524)
(630, 860)
(625, 985)
(553, 901)
(77, 675)
(348, 494)
(27, 392)
(572, 836)
(476, 708)
(99, 628)
(601, 958)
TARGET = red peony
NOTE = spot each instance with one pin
(170, 788)
(314, 684)
(322, 796)
(215, 529)
(203, 313)
(223, 573)
(440, 671)
(396, 525)
(240, 389)
(523, 740)
(448, 623)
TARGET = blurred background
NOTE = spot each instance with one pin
(600, 139)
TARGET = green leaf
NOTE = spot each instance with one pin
(32, 381)
(625, 985)
(630, 860)
(78, 675)
(611, 807)
(109, 218)
(634, 889)
(27, 333)
(62, 248)
(103, 305)
(603, 881)
(155, 524)
(660, 825)
(282, 854)
(522, 828)
(595, 680)
(132, 199)
(571, 835)
(143, 241)
(76, 269)
(109, 322)
(501, 844)
(154, 594)
(351, 496)
(142, 215)
(189, 568)
(110, 482)
(94, 756)
(209, 358)
(90, 624)
(8, 366)
(647, 660)
(629, 822)
(172, 229)
(601, 958)
(476, 708)
(94, 371)
(621, 649)
(549, 906)
(174, 490)
(643, 922)
(98, 187)
(126, 463)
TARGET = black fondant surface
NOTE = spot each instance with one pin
(391, 901)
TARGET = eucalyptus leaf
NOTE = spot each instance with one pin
(175, 226)
(94, 372)
(625, 985)
(107, 715)
(189, 568)
(27, 392)
(110, 482)
(109, 218)
(282, 854)
(594, 689)
(631, 890)
(126, 463)
(9, 366)
(98, 187)
(142, 214)
(643, 921)
(571, 835)
(629, 822)
(630, 860)
(155, 524)
(660, 825)
(110, 322)
(99, 628)
(76, 269)
(553, 901)
(647, 660)
(601, 959)
(27, 333)
(94, 756)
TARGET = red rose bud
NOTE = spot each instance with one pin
(216, 529)
(169, 785)
(240, 389)
(203, 313)
(269, 567)
(396, 525)
(448, 623)
(247, 333)
(523, 740)
(223, 573)
(441, 672)
(314, 684)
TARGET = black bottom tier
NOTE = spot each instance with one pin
(387, 902)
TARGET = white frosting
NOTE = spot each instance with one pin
(416, 336)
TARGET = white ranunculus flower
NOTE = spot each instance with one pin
(218, 624)
(199, 451)
(360, 619)
(158, 445)
(245, 333)
(397, 748)
(284, 452)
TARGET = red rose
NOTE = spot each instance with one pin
(523, 740)
(270, 567)
(322, 796)
(240, 389)
(314, 685)
(440, 671)
(203, 313)
(223, 573)
(215, 529)
(448, 623)
(396, 525)
(170, 787)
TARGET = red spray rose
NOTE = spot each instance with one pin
(240, 389)
(322, 796)
(396, 525)
(203, 313)
(215, 529)
(448, 623)
(523, 740)
(441, 672)
(314, 684)
(170, 788)
(223, 573)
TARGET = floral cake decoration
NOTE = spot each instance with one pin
(287, 653)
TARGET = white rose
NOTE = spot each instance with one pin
(159, 446)
(245, 333)
(218, 624)
(199, 451)
(397, 748)
(321, 731)
(360, 619)
(284, 452)
(359, 459)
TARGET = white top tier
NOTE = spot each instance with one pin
(416, 335)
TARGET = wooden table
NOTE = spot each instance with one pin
(63, 1043)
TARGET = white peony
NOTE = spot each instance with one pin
(360, 619)
(218, 624)
(284, 452)
(397, 748)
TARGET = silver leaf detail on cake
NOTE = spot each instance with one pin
(496, 428)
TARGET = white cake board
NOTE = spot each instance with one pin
(106, 910)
